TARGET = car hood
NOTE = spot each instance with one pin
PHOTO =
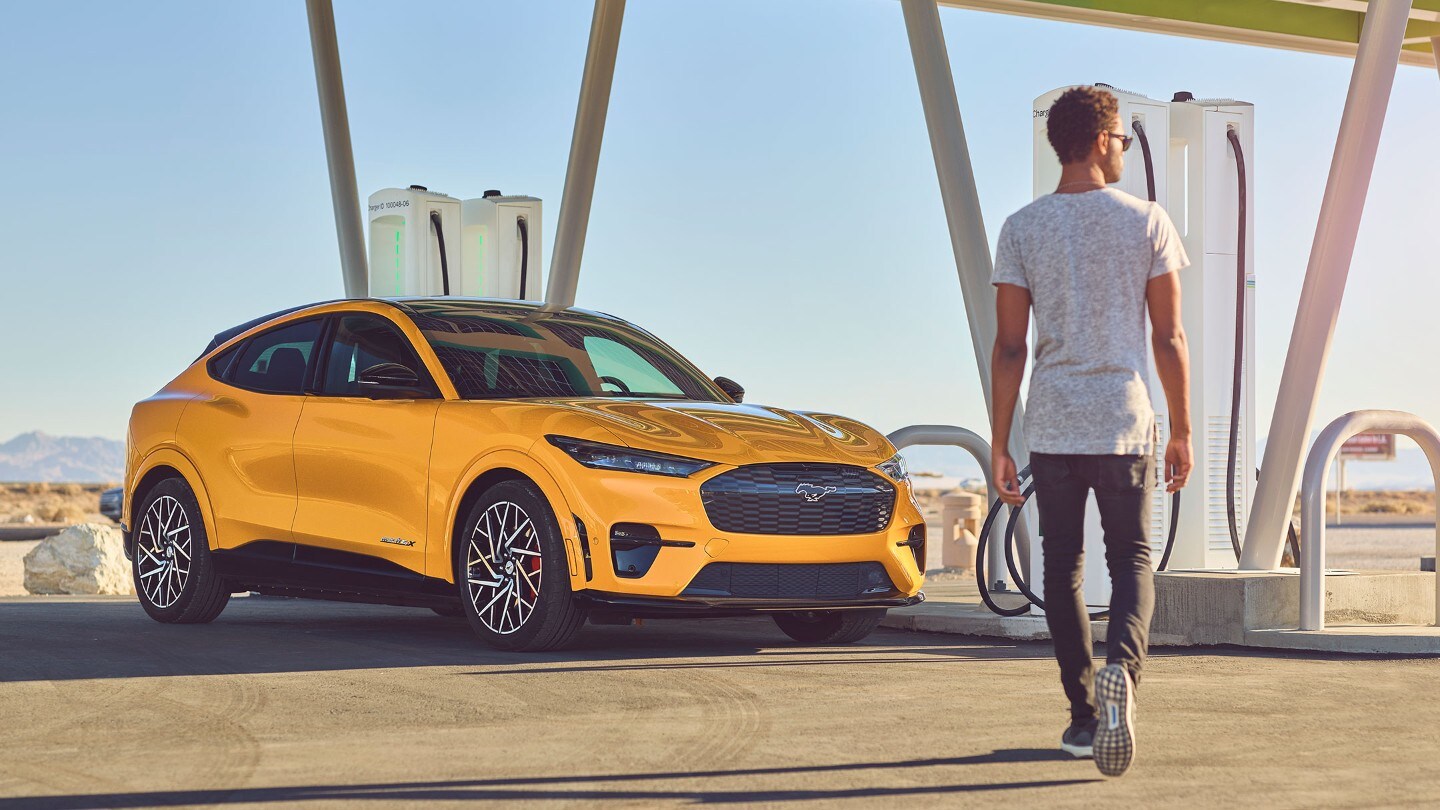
(735, 433)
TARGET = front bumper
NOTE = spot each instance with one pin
(601, 499)
(692, 607)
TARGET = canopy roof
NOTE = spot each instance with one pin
(1316, 26)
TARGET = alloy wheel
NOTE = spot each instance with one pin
(165, 547)
(502, 567)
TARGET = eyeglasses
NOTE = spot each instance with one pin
(1125, 140)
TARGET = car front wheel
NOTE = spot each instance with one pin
(829, 626)
(512, 573)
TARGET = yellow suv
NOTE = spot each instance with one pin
(527, 467)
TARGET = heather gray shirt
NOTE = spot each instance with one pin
(1086, 259)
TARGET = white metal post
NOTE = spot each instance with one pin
(584, 152)
(972, 443)
(1312, 496)
(338, 155)
(958, 192)
(1330, 254)
(1340, 494)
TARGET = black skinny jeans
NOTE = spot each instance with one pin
(1062, 487)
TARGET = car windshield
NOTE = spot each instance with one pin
(492, 350)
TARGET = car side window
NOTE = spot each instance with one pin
(362, 341)
(219, 365)
(274, 362)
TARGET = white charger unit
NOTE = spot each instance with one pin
(501, 247)
(407, 228)
(1204, 204)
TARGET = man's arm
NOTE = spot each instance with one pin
(1172, 362)
(1007, 369)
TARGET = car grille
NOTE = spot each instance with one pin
(822, 581)
(799, 499)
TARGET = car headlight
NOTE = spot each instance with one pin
(895, 468)
(609, 457)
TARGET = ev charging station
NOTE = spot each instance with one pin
(1183, 160)
(501, 247)
(408, 250)
(1194, 144)
(426, 243)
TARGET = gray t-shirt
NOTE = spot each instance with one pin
(1086, 259)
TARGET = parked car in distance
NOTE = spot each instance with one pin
(525, 467)
(111, 501)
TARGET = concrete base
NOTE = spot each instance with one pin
(1367, 612)
(1357, 639)
(1220, 607)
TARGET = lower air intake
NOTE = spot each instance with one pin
(819, 581)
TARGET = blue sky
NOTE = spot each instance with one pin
(766, 199)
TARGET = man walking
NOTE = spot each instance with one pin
(1090, 261)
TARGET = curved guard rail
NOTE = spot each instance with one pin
(971, 442)
(1312, 496)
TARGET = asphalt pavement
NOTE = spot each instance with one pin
(291, 703)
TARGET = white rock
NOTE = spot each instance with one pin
(87, 558)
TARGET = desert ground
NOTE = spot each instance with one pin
(55, 504)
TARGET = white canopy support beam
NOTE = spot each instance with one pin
(584, 153)
(1350, 168)
(958, 192)
(338, 155)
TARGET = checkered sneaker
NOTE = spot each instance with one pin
(1114, 746)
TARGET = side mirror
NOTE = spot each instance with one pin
(731, 388)
(389, 381)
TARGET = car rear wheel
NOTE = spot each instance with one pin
(829, 626)
(175, 575)
(513, 577)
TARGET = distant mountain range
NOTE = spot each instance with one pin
(37, 456)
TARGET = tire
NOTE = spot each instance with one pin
(169, 534)
(829, 626)
(494, 575)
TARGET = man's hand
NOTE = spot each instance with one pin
(1007, 481)
(1178, 461)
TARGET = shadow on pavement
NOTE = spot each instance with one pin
(67, 639)
(53, 639)
(553, 788)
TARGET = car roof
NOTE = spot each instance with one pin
(413, 305)
(459, 305)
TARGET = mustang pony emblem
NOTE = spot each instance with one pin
(812, 493)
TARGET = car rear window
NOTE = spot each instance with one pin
(275, 362)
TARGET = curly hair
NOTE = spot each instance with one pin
(1076, 118)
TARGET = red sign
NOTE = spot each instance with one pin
(1369, 447)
